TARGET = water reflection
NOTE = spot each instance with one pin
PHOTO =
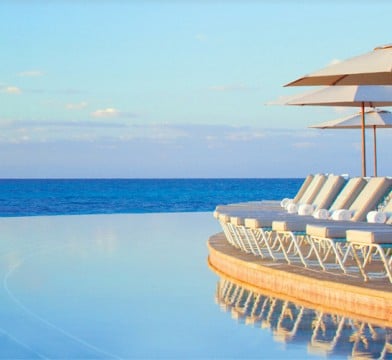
(322, 332)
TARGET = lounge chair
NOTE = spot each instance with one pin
(289, 242)
(305, 195)
(371, 250)
(258, 229)
(252, 231)
(308, 191)
(329, 238)
(344, 199)
(291, 231)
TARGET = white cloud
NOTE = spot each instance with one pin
(11, 90)
(76, 106)
(105, 113)
(31, 73)
(112, 113)
(172, 150)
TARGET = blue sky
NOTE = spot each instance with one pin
(177, 88)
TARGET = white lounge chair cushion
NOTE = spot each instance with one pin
(224, 218)
(341, 215)
(348, 194)
(338, 229)
(289, 225)
(369, 197)
(305, 209)
(326, 231)
(321, 214)
(370, 237)
(303, 188)
(376, 217)
(237, 221)
(254, 223)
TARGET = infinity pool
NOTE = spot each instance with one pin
(121, 286)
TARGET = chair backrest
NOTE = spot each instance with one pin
(370, 197)
(348, 194)
(313, 189)
(328, 192)
(303, 188)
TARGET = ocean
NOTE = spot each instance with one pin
(42, 197)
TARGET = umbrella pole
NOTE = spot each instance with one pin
(363, 140)
(375, 150)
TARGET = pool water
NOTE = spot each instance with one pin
(124, 286)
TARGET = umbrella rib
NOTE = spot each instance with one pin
(338, 80)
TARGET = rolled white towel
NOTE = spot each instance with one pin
(341, 215)
(321, 214)
(285, 202)
(376, 217)
(292, 208)
(305, 209)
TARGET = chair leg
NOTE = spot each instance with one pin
(289, 239)
(370, 251)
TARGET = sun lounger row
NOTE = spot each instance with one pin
(327, 230)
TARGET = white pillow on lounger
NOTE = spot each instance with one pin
(321, 214)
(341, 215)
(376, 217)
(292, 208)
(305, 209)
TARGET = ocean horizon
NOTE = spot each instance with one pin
(37, 197)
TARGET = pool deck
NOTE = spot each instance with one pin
(343, 293)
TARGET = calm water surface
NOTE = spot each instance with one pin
(126, 286)
(32, 197)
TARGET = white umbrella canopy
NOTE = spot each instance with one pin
(372, 68)
(374, 119)
(356, 96)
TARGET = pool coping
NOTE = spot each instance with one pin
(346, 295)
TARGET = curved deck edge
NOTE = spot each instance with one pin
(356, 300)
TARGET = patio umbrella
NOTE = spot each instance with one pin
(374, 119)
(358, 96)
(372, 68)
